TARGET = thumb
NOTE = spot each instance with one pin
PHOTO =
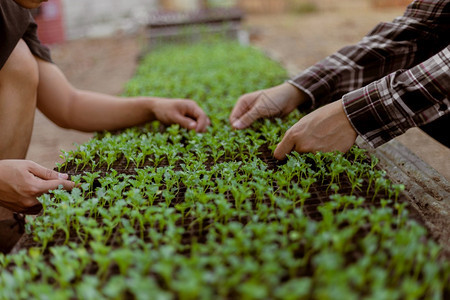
(246, 120)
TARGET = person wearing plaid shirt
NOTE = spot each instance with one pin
(395, 78)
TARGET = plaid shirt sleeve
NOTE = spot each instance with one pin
(395, 78)
(388, 107)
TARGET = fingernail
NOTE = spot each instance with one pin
(63, 176)
(238, 124)
(192, 125)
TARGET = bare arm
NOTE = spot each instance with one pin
(88, 111)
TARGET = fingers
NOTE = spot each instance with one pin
(185, 122)
(47, 185)
(242, 107)
(246, 120)
(44, 173)
(198, 114)
(202, 125)
(256, 105)
(192, 117)
(49, 180)
(286, 146)
(22, 181)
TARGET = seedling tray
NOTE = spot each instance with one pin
(320, 193)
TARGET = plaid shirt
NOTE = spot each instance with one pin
(395, 78)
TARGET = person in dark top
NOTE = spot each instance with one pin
(29, 80)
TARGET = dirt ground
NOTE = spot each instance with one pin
(296, 40)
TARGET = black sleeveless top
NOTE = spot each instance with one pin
(17, 23)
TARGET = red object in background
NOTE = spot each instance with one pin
(49, 19)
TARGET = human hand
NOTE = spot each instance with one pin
(325, 129)
(277, 101)
(21, 181)
(187, 113)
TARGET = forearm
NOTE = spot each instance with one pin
(90, 111)
(71, 108)
(391, 46)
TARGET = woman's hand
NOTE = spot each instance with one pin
(22, 181)
(277, 101)
(325, 129)
(187, 113)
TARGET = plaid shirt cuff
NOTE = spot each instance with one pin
(367, 113)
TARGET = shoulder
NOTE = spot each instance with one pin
(17, 23)
(14, 22)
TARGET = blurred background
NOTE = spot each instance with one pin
(97, 45)
(64, 19)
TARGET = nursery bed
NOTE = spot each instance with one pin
(320, 195)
